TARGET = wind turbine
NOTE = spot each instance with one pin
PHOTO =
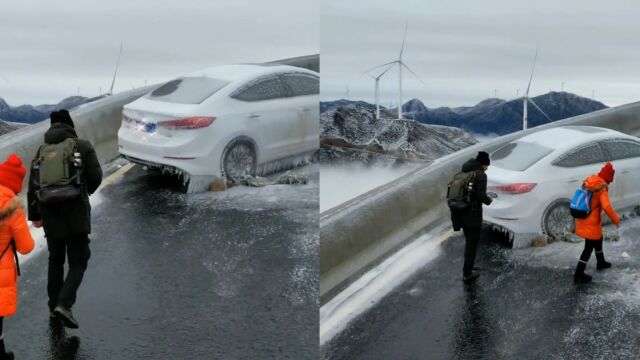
(377, 90)
(400, 64)
(113, 81)
(527, 99)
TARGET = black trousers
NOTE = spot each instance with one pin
(61, 290)
(472, 237)
(589, 246)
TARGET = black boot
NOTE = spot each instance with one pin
(580, 277)
(65, 314)
(4, 355)
(470, 276)
(602, 263)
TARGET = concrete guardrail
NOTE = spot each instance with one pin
(362, 232)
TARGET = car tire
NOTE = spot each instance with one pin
(239, 160)
(557, 219)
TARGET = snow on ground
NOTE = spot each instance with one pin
(365, 292)
(343, 182)
(564, 255)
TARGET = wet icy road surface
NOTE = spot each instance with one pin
(524, 306)
(230, 275)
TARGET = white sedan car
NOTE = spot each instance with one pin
(535, 176)
(228, 121)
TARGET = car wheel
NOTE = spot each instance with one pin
(239, 161)
(557, 219)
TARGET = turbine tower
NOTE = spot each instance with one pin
(115, 73)
(377, 90)
(400, 64)
(527, 99)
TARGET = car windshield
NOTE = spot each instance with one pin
(187, 90)
(519, 155)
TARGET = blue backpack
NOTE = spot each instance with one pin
(580, 205)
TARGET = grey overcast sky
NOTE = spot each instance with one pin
(52, 48)
(465, 49)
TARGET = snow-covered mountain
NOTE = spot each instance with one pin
(352, 131)
(494, 116)
(31, 114)
(331, 105)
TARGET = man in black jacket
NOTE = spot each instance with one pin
(470, 220)
(67, 225)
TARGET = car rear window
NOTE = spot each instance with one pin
(301, 84)
(519, 155)
(187, 90)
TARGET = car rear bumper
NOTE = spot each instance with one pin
(165, 156)
(515, 215)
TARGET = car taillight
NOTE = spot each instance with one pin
(518, 188)
(194, 122)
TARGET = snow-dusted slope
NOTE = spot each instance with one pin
(355, 127)
(6, 127)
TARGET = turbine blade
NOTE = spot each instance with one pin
(115, 73)
(535, 57)
(384, 72)
(538, 107)
(379, 66)
(413, 73)
(406, 25)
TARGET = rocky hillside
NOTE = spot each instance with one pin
(6, 127)
(31, 114)
(332, 105)
(353, 129)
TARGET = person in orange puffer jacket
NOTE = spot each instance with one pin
(14, 236)
(590, 228)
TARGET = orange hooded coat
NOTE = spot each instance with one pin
(590, 227)
(13, 225)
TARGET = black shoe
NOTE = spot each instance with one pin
(581, 278)
(470, 276)
(7, 356)
(66, 316)
(603, 265)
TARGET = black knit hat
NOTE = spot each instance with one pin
(483, 158)
(61, 116)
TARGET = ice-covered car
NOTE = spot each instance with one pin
(227, 121)
(535, 176)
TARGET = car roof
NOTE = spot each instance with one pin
(566, 137)
(239, 72)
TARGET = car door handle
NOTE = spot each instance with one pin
(306, 109)
(253, 116)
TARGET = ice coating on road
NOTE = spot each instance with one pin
(525, 305)
(242, 263)
(365, 292)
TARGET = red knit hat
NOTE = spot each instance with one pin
(12, 173)
(607, 172)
